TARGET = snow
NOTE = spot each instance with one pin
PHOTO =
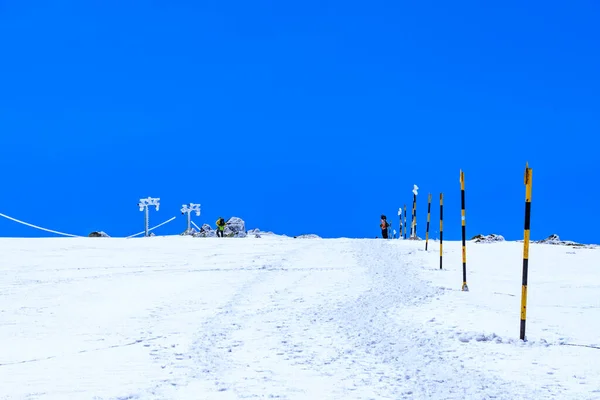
(218, 318)
(307, 236)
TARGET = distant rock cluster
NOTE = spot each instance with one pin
(205, 231)
(257, 231)
(552, 239)
(98, 234)
(493, 238)
(235, 227)
(555, 239)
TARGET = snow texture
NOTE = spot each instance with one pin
(308, 236)
(181, 318)
(256, 231)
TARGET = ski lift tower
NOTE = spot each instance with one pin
(188, 209)
(144, 205)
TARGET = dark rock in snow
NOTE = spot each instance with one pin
(98, 234)
(236, 227)
(206, 231)
(552, 239)
(189, 232)
(206, 228)
(493, 238)
(555, 239)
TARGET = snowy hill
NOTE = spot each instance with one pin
(274, 317)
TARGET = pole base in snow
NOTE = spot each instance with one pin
(465, 288)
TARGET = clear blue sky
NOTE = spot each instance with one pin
(303, 117)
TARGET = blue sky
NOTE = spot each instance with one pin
(304, 117)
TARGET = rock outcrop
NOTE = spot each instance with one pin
(493, 238)
(206, 231)
(236, 227)
(98, 234)
(189, 232)
(555, 239)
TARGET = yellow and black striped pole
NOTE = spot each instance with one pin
(415, 217)
(413, 232)
(405, 221)
(412, 223)
(400, 222)
(528, 173)
(465, 288)
(428, 218)
(441, 226)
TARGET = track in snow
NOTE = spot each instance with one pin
(224, 319)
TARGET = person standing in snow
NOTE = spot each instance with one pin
(384, 226)
(220, 227)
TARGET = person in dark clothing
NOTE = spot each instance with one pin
(220, 227)
(384, 226)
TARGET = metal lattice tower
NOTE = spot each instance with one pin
(144, 205)
(189, 208)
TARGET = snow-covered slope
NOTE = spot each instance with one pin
(275, 317)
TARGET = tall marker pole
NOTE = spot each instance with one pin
(146, 222)
(465, 288)
(428, 218)
(441, 226)
(528, 173)
(405, 221)
(412, 221)
(414, 216)
(400, 222)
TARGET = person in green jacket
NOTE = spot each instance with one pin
(220, 227)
